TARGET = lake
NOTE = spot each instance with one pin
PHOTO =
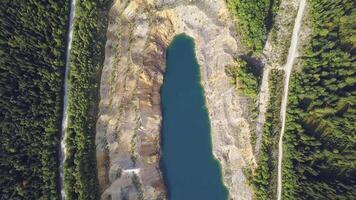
(189, 168)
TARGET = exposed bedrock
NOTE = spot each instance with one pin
(128, 128)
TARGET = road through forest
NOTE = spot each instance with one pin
(292, 54)
(65, 98)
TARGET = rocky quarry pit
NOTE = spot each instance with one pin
(128, 128)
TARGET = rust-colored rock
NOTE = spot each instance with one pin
(128, 128)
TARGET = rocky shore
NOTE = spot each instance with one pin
(128, 128)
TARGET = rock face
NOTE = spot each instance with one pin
(128, 128)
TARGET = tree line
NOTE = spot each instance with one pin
(87, 57)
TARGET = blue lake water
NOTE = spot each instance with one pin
(189, 168)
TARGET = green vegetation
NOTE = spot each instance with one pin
(246, 77)
(320, 140)
(264, 179)
(255, 19)
(87, 57)
(32, 54)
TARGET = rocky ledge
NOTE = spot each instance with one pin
(128, 128)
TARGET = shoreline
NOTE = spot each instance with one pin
(130, 98)
(206, 112)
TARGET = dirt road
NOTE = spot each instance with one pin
(65, 98)
(292, 54)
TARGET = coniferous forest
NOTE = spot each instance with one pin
(320, 140)
(87, 56)
(255, 20)
(32, 54)
(32, 61)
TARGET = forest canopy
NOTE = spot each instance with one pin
(32, 53)
(320, 141)
(87, 57)
(254, 20)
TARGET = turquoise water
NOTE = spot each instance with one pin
(189, 168)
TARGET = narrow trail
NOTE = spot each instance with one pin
(263, 99)
(62, 154)
(292, 54)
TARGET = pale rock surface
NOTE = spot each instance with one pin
(128, 128)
